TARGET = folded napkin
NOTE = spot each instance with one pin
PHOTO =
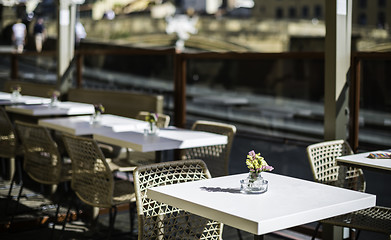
(380, 155)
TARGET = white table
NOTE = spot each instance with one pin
(80, 125)
(289, 202)
(5, 99)
(63, 108)
(361, 160)
(166, 139)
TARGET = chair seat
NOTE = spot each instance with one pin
(123, 192)
(376, 219)
(141, 158)
(121, 165)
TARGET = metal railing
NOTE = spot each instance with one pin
(180, 72)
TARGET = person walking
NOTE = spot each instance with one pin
(19, 34)
(39, 34)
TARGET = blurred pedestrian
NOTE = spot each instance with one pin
(80, 33)
(19, 35)
(39, 34)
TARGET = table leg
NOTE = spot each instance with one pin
(258, 237)
(158, 156)
(331, 232)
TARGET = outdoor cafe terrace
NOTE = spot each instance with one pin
(275, 101)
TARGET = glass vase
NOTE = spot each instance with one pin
(254, 183)
(95, 118)
(54, 101)
(15, 96)
(152, 129)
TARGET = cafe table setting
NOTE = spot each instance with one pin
(8, 99)
(278, 202)
(85, 125)
(61, 108)
(164, 139)
(379, 160)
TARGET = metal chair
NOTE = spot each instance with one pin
(9, 147)
(322, 157)
(93, 181)
(163, 120)
(42, 160)
(324, 168)
(161, 221)
(216, 157)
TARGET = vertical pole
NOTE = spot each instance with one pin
(337, 64)
(354, 103)
(66, 13)
(180, 95)
(180, 91)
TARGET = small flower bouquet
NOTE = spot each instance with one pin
(99, 109)
(96, 117)
(54, 94)
(16, 88)
(151, 118)
(15, 93)
(256, 163)
(255, 183)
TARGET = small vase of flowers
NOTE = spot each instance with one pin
(15, 93)
(151, 118)
(54, 94)
(96, 117)
(255, 183)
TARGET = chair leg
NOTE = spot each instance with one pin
(9, 195)
(316, 231)
(357, 234)
(112, 216)
(3, 172)
(55, 221)
(239, 234)
(17, 205)
(132, 207)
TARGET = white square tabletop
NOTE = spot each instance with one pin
(288, 202)
(5, 99)
(362, 160)
(80, 125)
(166, 139)
(63, 108)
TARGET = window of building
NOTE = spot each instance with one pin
(292, 12)
(318, 11)
(362, 19)
(381, 3)
(305, 12)
(279, 13)
(362, 3)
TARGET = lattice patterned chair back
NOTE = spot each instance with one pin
(8, 137)
(216, 157)
(325, 170)
(42, 161)
(161, 221)
(92, 179)
(322, 157)
(162, 122)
